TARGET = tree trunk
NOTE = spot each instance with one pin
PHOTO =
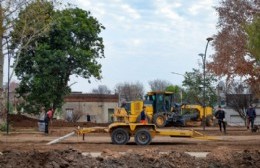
(1, 61)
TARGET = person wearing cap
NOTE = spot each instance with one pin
(143, 116)
(220, 115)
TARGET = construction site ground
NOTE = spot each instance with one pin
(26, 146)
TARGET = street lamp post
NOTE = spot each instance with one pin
(8, 86)
(203, 56)
(178, 74)
(181, 88)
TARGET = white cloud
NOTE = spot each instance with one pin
(200, 5)
(136, 42)
(148, 44)
(131, 12)
(168, 9)
(146, 40)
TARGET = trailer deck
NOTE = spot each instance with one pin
(143, 133)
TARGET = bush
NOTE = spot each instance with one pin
(3, 126)
(73, 116)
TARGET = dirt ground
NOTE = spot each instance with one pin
(26, 146)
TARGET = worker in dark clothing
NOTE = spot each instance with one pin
(251, 115)
(47, 119)
(143, 116)
(220, 115)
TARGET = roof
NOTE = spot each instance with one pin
(159, 92)
(79, 97)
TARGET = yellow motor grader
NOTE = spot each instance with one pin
(161, 111)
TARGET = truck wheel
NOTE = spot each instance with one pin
(120, 136)
(159, 120)
(143, 137)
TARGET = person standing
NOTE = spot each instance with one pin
(220, 115)
(143, 116)
(251, 115)
(47, 119)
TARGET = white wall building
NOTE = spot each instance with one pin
(233, 118)
(100, 107)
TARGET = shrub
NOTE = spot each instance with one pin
(3, 126)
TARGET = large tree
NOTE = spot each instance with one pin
(233, 58)
(193, 82)
(130, 91)
(159, 85)
(10, 12)
(101, 89)
(32, 23)
(71, 47)
(177, 90)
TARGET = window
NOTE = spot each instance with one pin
(69, 114)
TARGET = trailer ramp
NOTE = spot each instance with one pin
(183, 133)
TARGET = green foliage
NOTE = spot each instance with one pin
(173, 88)
(58, 113)
(3, 126)
(11, 107)
(32, 22)
(177, 90)
(72, 46)
(253, 33)
(194, 88)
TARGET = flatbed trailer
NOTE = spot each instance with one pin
(143, 133)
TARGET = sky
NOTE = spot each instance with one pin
(146, 40)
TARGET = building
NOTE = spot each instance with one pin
(240, 101)
(240, 98)
(100, 107)
(234, 119)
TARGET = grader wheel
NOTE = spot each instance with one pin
(159, 120)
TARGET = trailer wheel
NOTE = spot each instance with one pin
(120, 136)
(159, 120)
(143, 137)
